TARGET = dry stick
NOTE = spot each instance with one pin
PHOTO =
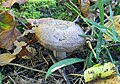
(28, 68)
(76, 8)
(80, 80)
(44, 58)
(62, 72)
(12, 80)
(19, 20)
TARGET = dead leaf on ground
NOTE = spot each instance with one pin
(8, 37)
(19, 46)
(23, 50)
(6, 20)
(84, 6)
(116, 20)
(99, 71)
(108, 80)
(26, 52)
(8, 32)
(9, 3)
(6, 58)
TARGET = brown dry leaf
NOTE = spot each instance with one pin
(116, 20)
(7, 38)
(6, 58)
(6, 17)
(23, 50)
(9, 3)
(19, 46)
(8, 32)
(84, 6)
(6, 20)
(108, 80)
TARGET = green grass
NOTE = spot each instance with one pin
(1, 76)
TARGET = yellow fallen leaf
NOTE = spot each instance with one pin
(101, 74)
(8, 31)
(84, 6)
(100, 71)
(6, 58)
(116, 20)
(108, 80)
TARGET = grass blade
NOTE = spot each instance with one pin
(101, 9)
(113, 29)
(100, 39)
(61, 64)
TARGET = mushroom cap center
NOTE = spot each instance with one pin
(60, 35)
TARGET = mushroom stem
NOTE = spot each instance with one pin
(60, 54)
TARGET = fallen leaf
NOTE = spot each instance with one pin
(100, 71)
(7, 38)
(23, 50)
(116, 20)
(6, 17)
(26, 52)
(8, 32)
(9, 3)
(6, 21)
(6, 58)
(19, 46)
(84, 6)
(108, 80)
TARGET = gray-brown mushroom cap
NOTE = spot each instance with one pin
(60, 35)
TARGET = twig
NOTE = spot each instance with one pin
(28, 68)
(19, 20)
(90, 46)
(76, 20)
(12, 80)
(44, 58)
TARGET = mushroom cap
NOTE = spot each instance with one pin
(59, 35)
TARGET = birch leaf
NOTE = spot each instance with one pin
(6, 58)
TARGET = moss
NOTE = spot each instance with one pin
(37, 10)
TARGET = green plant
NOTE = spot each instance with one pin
(1, 76)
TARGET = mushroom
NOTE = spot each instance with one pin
(60, 36)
